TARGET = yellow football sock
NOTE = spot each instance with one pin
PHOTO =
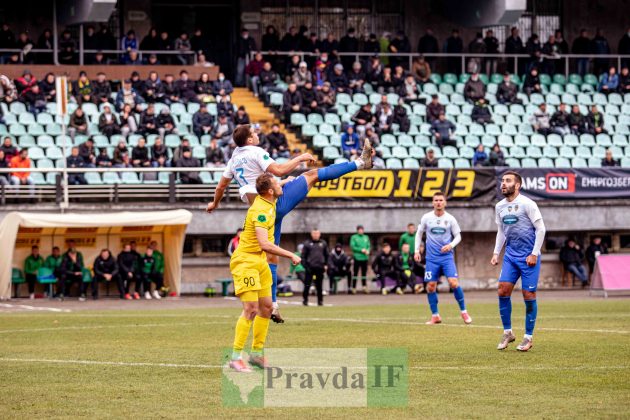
(240, 336)
(261, 326)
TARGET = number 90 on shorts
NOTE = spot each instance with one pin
(247, 280)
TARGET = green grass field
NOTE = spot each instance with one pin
(162, 363)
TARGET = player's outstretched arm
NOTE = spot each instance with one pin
(270, 248)
(282, 169)
(218, 194)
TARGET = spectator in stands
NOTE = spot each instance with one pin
(350, 143)
(386, 268)
(454, 45)
(214, 155)
(292, 101)
(166, 123)
(127, 269)
(75, 161)
(474, 89)
(187, 161)
(577, 122)
(600, 47)
(224, 105)
(119, 154)
(560, 121)
(595, 122)
(608, 160)
(108, 122)
(301, 75)
(132, 58)
(202, 121)
(430, 160)
(624, 80)
(48, 87)
(531, 84)
(374, 69)
(153, 88)
(72, 272)
(329, 45)
(540, 120)
(32, 264)
(338, 80)
(534, 49)
(443, 131)
(159, 154)
(421, 70)
(21, 161)
(127, 95)
(400, 117)
(594, 250)
(582, 46)
(309, 100)
(222, 130)
(428, 43)
(271, 40)
(103, 160)
(278, 144)
(434, 109)
(101, 89)
(348, 44)
(25, 83)
(481, 112)
(326, 98)
(128, 122)
(409, 90)
(129, 43)
(496, 156)
(385, 82)
(507, 91)
(222, 84)
(151, 42)
(356, 78)
(182, 44)
(204, 89)
(4, 177)
(67, 49)
(45, 42)
(148, 121)
(140, 155)
(492, 47)
(623, 48)
(369, 133)
(168, 90)
(476, 46)
(562, 48)
(320, 75)
(178, 152)
(78, 123)
(384, 116)
(35, 100)
(106, 270)
(241, 117)
(9, 149)
(551, 55)
(186, 88)
(268, 79)
(480, 158)
(88, 153)
(609, 81)
(571, 256)
(165, 44)
(399, 45)
(82, 89)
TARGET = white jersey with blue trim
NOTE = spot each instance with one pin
(245, 166)
(440, 231)
(517, 218)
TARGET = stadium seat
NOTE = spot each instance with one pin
(315, 119)
(405, 140)
(400, 152)
(111, 178)
(93, 178)
(411, 163)
(393, 163)
(512, 162)
(36, 153)
(416, 152)
(130, 178)
(331, 153)
(596, 163)
(529, 163)
(562, 162)
(297, 119)
(320, 141)
(445, 163)
(388, 140)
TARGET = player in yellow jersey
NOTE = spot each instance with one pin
(251, 273)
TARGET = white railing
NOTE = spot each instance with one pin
(81, 53)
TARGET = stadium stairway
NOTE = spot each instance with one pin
(259, 113)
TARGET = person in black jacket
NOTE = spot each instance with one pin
(507, 91)
(75, 161)
(128, 271)
(594, 250)
(314, 259)
(71, 272)
(385, 267)
(338, 267)
(531, 84)
(106, 270)
(140, 155)
(291, 102)
(560, 121)
(571, 256)
(481, 112)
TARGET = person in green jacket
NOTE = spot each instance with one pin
(53, 261)
(408, 237)
(148, 268)
(360, 246)
(72, 246)
(298, 270)
(159, 258)
(31, 265)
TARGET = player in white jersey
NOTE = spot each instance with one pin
(442, 236)
(521, 229)
(249, 161)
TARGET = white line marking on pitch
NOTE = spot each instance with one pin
(284, 302)
(205, 366)
(34, 308)
(99, 327)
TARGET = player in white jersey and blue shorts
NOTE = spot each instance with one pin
(442, 236)
(521, 229)
(249, 161)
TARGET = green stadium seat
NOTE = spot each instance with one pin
(111, 178)
(429, 89)
(567, 152)
(458, 99)
(199, 152)
(206, 177)
(400, 152)
(488, 140)
(130, 178)
(462, 163)
(297, 119)
(591, 79)
(51, 178)
(600, 99)
(411, 163)
(341, 160)
(514, 120)
(507, 141)
(466, 152)
(534, 152)
(171, 141)
(423, 140)
(275, 99)
(493, 129)
(517, 109)
(625, 162)
(528, 162)
(54, 153)
(585, 140)
(446, 89)
(360, 99)
(36, 153)
(559, 79)
(517, 152)
(332, 119)
(538, 140)
(620, 140)
(26, 118)
(331, 153)
(335, 140)
(326, 129)
(575, 79)
(615, 99)
(584, 99)
(17, 129)
(545, 162)
(344, 99)
(553, 99)
(550, 152)
(450, 78)
(93, 178)
(450, 152)
(603, 140)
(388, 140)
(375, 98)
(472, 141)
(28, 141)
(445, 163)
(309, 130)
(45, 163)
(436, 78)
(385, 152)
(596, 163)
(320, 141)
(393, 163)
(555, 140)
(583, 152)
(544, 79)
(315, 119)
(38, 178)
(562, 162)
(496, 78)
(392, 98)
(512, 162)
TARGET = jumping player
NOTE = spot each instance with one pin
(443, 234)
(249, 161)
(521, 228)
(251, 274)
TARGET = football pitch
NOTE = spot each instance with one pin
(164, 362)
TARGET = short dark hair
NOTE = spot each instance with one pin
(410, 224)
(263, 183)
(241, 134)
(439, 193)
(34, 247)
(518, 178)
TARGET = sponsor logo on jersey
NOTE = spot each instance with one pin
(438, 230)
(510, 219)
(262, 218)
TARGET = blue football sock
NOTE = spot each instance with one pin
(274, 284)
(336, 171)
(459, 297)
(433, 302)
(531, 310)
(505, 309)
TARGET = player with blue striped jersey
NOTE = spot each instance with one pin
(522, 230)
(442, 236)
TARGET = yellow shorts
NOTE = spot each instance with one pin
(251, 275)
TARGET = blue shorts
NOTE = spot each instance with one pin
(436, 268)
(513, 268)
(293, 193)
